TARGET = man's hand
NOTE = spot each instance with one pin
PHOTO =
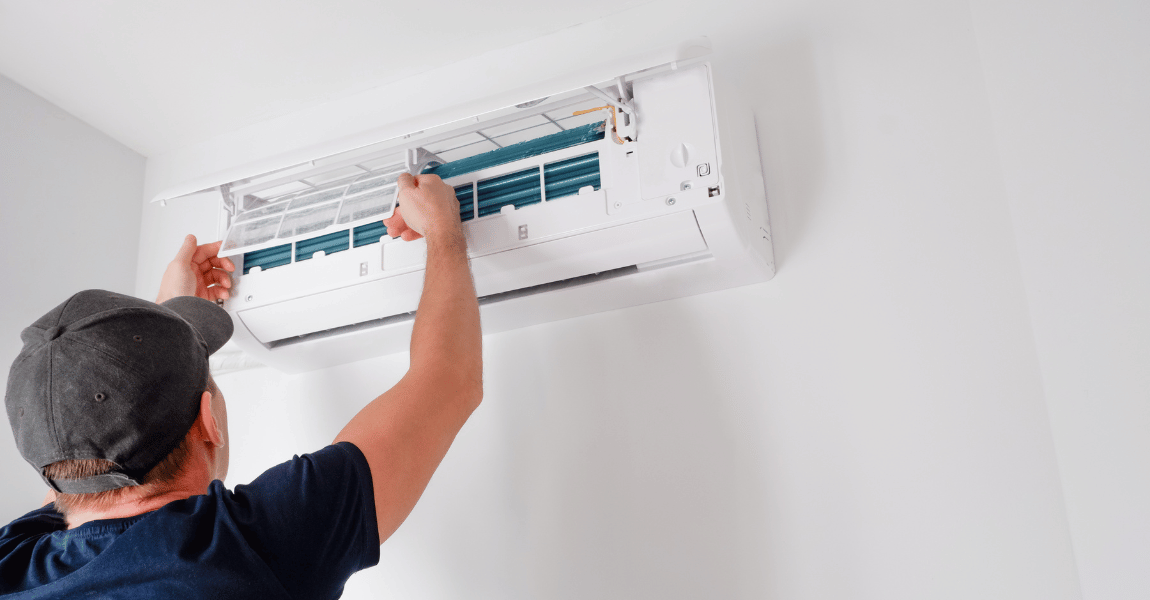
(428, 205)
(197, 271)
(406, 431)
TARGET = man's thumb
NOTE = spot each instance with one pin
(184, 255)
(405, 181)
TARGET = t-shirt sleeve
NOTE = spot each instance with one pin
(312, 518)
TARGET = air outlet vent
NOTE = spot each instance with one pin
(268, 258)
(549, 143)
(520, 188)
(466, 196)
(564, 178)
(368, 234)
(329, 244)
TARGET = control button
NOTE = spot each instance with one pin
(704, 169)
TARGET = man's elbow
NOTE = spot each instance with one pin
(467, 383)
(461, 391)
(473, 394)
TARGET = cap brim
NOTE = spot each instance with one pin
(212, 322)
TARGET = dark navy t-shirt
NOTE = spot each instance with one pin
(297, 531)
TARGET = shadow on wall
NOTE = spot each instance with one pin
(625, 466)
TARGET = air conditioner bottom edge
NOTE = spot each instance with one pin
(696, 275)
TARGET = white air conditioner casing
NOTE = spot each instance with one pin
(680, 209)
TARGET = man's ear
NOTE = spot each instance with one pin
(211, 429)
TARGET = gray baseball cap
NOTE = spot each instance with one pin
(110, 376)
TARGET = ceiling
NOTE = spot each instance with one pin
(163, 75)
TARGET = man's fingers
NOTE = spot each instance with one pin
(186, 251)
(206, 252)
(219, 277)
(218, 293)
(223, 263)
(395, 223)
(410, 235)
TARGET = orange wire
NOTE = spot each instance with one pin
(614, 134)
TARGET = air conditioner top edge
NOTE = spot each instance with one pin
(687, 52)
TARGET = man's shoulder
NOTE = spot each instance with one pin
(38, 522)
(305, 523)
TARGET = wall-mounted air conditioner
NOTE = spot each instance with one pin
(621, 189)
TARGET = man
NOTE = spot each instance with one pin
(111, 401)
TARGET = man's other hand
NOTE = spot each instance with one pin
(428, 205)
(197, 271)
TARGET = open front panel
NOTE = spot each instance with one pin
(482, 197)
(508, 161)
(357, 187)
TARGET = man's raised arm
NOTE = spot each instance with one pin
(405, 432)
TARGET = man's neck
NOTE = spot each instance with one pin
(194, 478)
(126, 507)
(192, 482)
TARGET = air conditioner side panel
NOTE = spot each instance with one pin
(738, 229)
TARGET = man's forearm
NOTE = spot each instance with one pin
(446, 342)
(406, 431)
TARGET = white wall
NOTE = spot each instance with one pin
(1069, 92)
(69, 218)
(870, 424)
(956, 341)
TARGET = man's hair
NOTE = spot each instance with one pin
(168, 470)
